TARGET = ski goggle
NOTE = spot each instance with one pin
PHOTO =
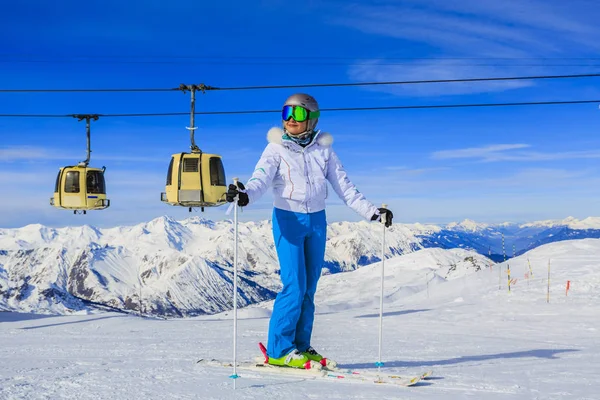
(300, 114)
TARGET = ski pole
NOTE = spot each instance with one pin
(234, 376)
(379, 363)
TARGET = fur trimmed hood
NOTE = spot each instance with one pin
(275, 136)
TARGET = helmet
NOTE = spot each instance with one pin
(308, 102)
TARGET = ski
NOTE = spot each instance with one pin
(318, 373)
(315, 373)
(362, 377)
(325, 369)
(424, 375)
(332, 367)
(262, 367)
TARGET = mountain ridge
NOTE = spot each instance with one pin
(176, 268)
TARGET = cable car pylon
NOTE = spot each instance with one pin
(80, 187)
(195, 179)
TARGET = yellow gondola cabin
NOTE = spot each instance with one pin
(195, 180)
(80, 188)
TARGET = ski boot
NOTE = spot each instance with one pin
(293, 359)
(313, 355)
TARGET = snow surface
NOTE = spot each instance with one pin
(481, 341)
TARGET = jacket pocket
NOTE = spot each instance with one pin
(320, 188)
(279, 189)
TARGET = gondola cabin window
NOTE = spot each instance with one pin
(57, 184)
(72, 182)
(170, 172)
(190, 164)
(95, 182)
(217, 172)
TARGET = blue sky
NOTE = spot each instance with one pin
(487, 164)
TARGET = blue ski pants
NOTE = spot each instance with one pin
(300, 243)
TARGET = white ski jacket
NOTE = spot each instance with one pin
(299, 176)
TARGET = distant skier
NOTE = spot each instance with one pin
(298, 162)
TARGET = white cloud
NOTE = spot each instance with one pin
(132, 158)
(506, 152)
(573, 21)
(525, 194)
(402, 170)
(388, 185)
(378, 71)
(31, 153)
(488, 29)
(32, 178)
(38, 154)
(537, 156)
(477, 152)
(514, 30)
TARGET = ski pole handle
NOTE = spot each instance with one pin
(235, 182)
(233, 204)
(383, 216)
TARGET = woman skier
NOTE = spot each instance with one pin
(298, 162)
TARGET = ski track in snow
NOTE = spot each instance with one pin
(481, 342)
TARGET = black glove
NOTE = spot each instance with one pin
(388, 216)
(233, 191)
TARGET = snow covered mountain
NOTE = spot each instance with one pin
(180, 268)
(518, 238)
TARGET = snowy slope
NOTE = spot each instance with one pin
(404, 275)
(481, 342)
